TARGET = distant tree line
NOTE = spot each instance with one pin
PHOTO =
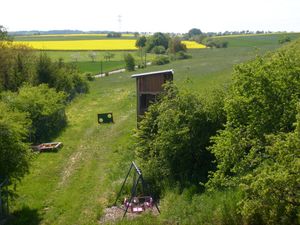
(114, 35)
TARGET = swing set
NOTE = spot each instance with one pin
(137, 203)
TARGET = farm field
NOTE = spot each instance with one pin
(85, 42)
(85, 64)
(74, 185)
(255, 40)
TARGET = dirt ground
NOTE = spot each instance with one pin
(115, 213)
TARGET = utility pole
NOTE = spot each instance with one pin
(120, 22)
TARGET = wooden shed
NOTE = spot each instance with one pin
(148, 86)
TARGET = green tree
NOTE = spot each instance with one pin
(172, 137)
(16, 66)
(272, 193)
(3, 33)
(262, 102)
(45, 70)
(194, 32)
(6, 65)
(175, 45)
(108, 56)
(284, 39)
(129, 62)
(158, 50)
(14, 151)
(157, 39)
(141, 43)
(43, 106)
(92, 55)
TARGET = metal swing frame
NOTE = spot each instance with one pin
(134, 188)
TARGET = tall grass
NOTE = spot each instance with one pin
(218, 208)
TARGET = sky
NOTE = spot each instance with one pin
(152, 15)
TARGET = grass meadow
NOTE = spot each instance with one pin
(74, 185)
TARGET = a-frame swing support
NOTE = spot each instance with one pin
(135, 184)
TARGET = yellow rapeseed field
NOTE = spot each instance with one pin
(104, 44)
(82, 45)
(71, 35)
(193, 44)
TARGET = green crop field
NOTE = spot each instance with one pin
(258, 40)
(85, 63)
(74, 185)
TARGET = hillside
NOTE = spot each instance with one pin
(74, 185)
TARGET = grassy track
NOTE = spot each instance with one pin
(71, 186)
(75, 184)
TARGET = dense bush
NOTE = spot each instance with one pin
(263, 101)
(171, 139)
(60, 76)
(215, 43)
(14, 151)
(16, 66)
(284, 39)
(183, 55)
(43, 106)
(158, 49)
(157, 39)
(175, 46)
(160, 60)
(259, 150)
(272, 194)
(129, 62)
(19, 65)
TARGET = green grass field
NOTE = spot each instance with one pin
(95, 67)
(259, 40)
(74, 185)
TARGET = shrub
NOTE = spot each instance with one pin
(272, 190)
(89, 76)
(158, 50)
(262, 101)
(160, 60)
(129, 62)
(258, 150)
(175, 46)
(43, 106)
(284, 39)
(215, 43)
(14, 151)
(182, 55)
(171, 139)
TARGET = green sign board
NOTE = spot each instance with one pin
(105, 118)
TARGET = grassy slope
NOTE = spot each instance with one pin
(256, 40)
(73, 185)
